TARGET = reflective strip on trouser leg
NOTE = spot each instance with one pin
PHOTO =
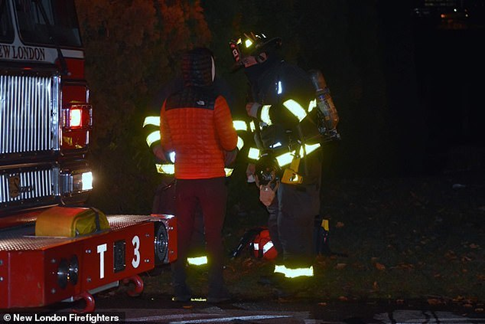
(197, 261)
(294, 273)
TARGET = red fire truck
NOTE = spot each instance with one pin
(45, 132)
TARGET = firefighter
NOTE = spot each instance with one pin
(286, 159)
(196, 124)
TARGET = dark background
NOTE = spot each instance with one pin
(407, 82)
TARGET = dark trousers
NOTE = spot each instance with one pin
(211, 196)
(292, 214)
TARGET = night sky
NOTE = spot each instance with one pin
(450, 72)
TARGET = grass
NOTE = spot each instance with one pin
(413, 238)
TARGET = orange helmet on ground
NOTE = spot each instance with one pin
(263, 247)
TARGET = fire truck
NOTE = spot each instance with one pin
(46, 123)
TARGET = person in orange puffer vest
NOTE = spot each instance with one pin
(196, 125)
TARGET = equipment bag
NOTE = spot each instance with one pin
(70, 221)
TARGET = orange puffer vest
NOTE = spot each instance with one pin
(198, 128)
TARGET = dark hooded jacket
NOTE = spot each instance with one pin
(196, 123)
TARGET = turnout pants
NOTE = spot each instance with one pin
(292, 214)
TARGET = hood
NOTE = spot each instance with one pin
(198, 68)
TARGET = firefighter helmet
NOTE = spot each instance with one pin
(251, 44)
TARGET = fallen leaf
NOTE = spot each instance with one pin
(375, 286)
(380, 266)
(434, 301)
(340, 266)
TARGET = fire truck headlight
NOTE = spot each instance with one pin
(75, 182)
(87, 181)
(77, 116)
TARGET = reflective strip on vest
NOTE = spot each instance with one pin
(240, 143)
(310, 148)
(153, 137)
(240, 125)
(165, 168)
(295, 108)
(152, 120)
(197, 261)
(312, 104)
(252, 127)
(253, 153)
(228, 171)
(264, 115)
(294, 273)
(298, 111)
(171, 156)
(287, 157)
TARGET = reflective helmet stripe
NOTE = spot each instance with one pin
(267, 247)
